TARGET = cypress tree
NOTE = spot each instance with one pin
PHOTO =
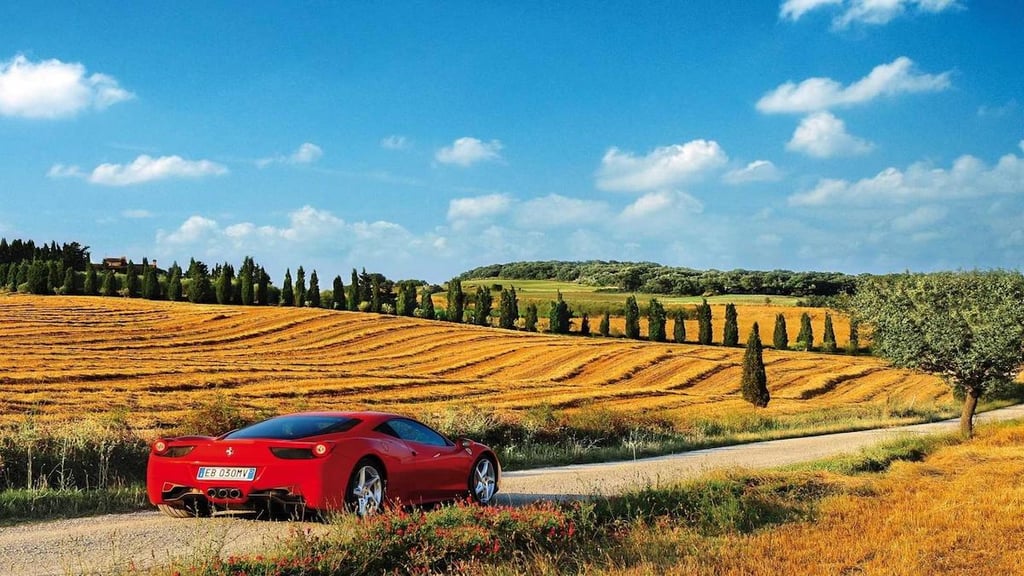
(90, 281)
(376, 303)
(679, 327)
(754, 384)
(246, 278)
(198, 282)
(655, 321)
(632, 318)
(406, 302)
(731, 335)
(704, 323)
(151, 286)
(338, 295)
(174, 283)
(854, 346)
(54, 277)
(456, 300)
(482, 309)
(300, 287)
(23, 272)
(68, 288)
(262, 287)
(223, 289)
(353, 292)
(314, 290)
(427, 305)
(287, 294)
(508, 310)
(38, 278)
(780, 339)
(131, 280)
(366, 288)
(109, 285)
(828, 339)
(585, 325)
(147, 280)
(3, 272)
(559, 316)
(531, 317)
(605, 328)
(805, 339)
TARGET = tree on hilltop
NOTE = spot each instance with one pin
(754, 383)
(287, 292)
(313, 296)
(731, 330)
(780, 339)
(338, 300)
(828, 339)
(656, 321)
(300, 288)
(456, 300)
(679, 326)
(965, 327)
(805, 339)
(704, 328)
(632, 318)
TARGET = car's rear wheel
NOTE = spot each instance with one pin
(193, 510)
(483, 480)
(365, 493)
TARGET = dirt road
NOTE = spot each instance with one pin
(115, 543)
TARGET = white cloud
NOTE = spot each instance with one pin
(307, 153)
(921, 217)
(479, 207)
(968, 177)
(794, 9)
(136, 213)
(661, 168)
(54, 89)
(816, 94)
(822, 135)
(395, 142)
(142, 169)
(865, 11)
(661, 205)
(467, 151)
(756, 171)
(556, 211)
(194, 229)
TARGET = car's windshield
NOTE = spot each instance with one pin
(294, 427)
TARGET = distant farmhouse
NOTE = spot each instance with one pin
(120, 266)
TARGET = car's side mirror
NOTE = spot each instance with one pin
(465, 442)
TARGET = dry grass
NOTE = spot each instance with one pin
(959, 512)
(68, 356)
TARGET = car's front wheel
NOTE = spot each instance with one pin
(365, 493)
(483, 480)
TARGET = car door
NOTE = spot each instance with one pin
(439, 467)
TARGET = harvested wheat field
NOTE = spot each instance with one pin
(71, 356)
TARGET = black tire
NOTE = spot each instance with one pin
(365, 493)
(483, 480)
(194, 510)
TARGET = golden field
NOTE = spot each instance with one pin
(958, 512)
(66, 357)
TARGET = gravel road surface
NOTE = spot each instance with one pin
(113, 544)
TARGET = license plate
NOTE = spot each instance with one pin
(229, 474)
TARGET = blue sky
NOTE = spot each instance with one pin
(423, 139)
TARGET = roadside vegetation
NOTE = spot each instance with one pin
(884, 511)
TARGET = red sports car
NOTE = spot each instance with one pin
(318, 461)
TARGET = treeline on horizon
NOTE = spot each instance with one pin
(653, 278)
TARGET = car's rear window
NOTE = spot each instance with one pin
(294, 427)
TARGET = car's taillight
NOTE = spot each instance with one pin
(321, 450)
(161, 448)
(292, 453)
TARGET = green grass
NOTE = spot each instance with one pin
(594, 299)
(17, 506)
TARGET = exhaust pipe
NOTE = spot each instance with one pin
(211, 492)
(235, 493)
(222, 492)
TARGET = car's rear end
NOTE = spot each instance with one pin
(199, 475)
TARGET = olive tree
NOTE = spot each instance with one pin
(966, 327)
